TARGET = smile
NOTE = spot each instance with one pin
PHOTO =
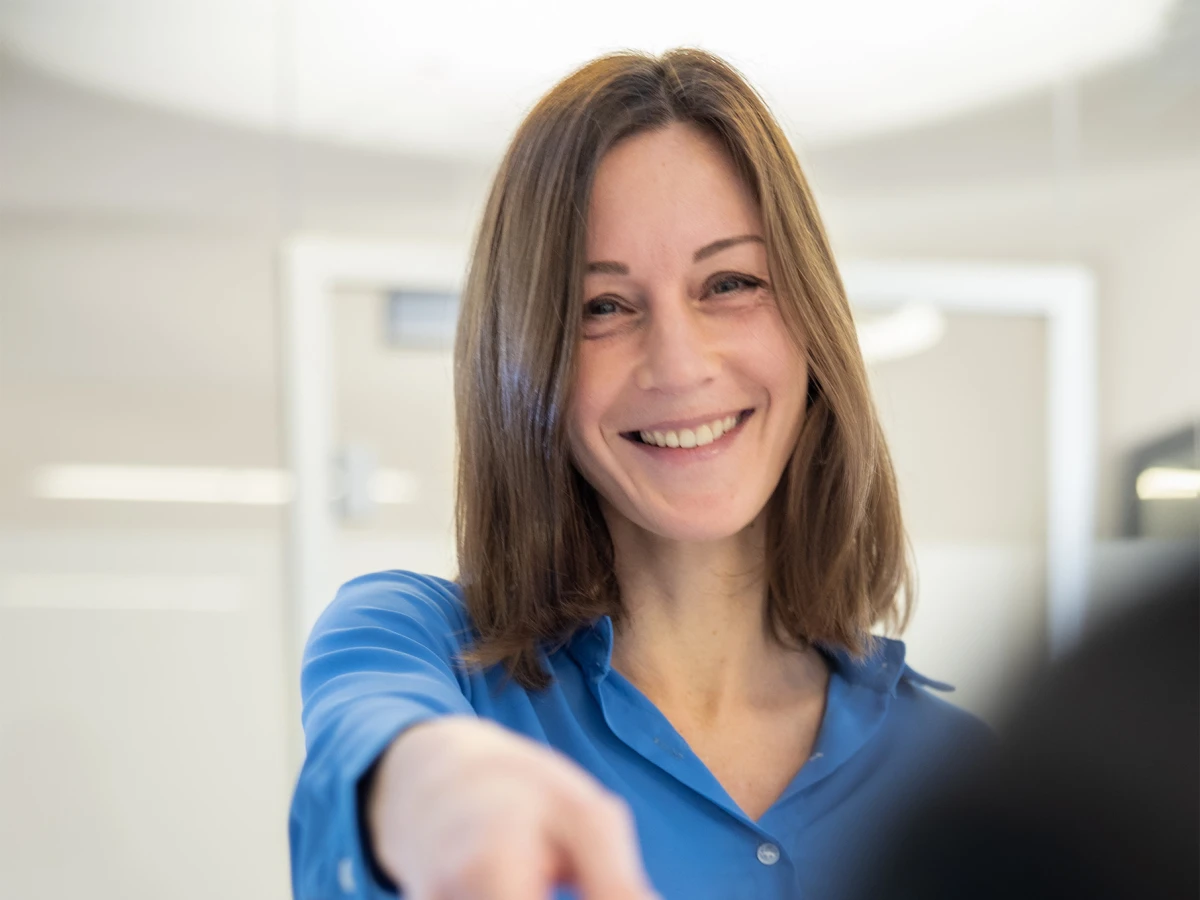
(689, 438)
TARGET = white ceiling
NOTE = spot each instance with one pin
(453, 78)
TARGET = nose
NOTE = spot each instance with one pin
(679, 351)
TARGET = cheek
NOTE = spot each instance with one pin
(776, 361)
(587, 408)
(583, 404)
(585, 443)
(595, 392)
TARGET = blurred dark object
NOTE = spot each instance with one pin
(1162, 487)
(1094, 790)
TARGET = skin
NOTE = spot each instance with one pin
(462, 808)
(668, 337)
(677, 329)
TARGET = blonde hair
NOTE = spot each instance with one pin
(535, 556)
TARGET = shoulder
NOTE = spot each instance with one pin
(399, 585)
(929, 717)
(397, 597)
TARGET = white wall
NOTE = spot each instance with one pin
(993, 185)
(1150, 339)
(145, 718)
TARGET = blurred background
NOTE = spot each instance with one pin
(231, 233)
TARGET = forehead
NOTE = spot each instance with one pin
(673, 187)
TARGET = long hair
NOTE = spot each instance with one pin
(535, 556)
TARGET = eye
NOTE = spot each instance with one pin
(729, 283)
(601, 307)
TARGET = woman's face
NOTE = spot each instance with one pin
(689, 393)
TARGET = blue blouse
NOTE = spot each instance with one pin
(381, 658)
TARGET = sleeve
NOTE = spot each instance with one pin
(380, 659)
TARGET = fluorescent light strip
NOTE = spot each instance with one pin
(1163, 483)
(190, 484)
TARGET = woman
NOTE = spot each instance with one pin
(677, 524)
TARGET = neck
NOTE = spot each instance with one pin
(695, 637)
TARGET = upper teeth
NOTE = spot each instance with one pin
(687, 438)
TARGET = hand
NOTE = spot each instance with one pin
(462, 809)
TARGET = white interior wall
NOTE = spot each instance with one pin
(1151, 335)
(142, 749)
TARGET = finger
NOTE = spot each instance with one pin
(516, 869)
(598, 836)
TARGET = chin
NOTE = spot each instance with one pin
(698, 527)
(691, 534)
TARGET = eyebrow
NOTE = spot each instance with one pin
(724, 244)
(608, 267)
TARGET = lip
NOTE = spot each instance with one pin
(681, 456)
(694, 423)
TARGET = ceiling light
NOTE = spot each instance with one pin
(456, 78)
(912, 329)
(1165, 483)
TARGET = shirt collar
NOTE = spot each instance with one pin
(880, 669)
(860, 694)
(592, 647)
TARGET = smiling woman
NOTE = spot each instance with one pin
(677, 525)
(679, 343)
(701, 257)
